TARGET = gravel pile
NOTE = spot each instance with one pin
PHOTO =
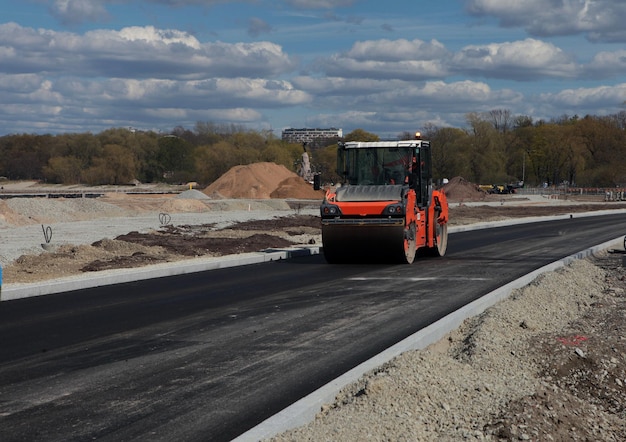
(491, 380)
(50, 210)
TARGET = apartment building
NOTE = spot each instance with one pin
(310, 136)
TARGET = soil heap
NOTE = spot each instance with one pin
(459, 189)
(262, 181)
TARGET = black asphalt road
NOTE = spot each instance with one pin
(209, 355)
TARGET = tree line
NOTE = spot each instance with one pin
(496, 147)
(501, 148)
(122, 156)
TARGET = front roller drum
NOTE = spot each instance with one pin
(365, 244)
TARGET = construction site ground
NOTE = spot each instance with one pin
(45, 237)
(547, 364)
(131, 231)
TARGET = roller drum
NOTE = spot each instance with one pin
(363, 243)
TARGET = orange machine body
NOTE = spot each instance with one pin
(386, 209)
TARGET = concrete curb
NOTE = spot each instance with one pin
(304, 410)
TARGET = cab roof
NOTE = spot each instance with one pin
(374, 144)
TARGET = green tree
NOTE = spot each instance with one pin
(361, 135)
(281, 153)
(175, 159)
(450, 151)
(116, 136)
(64, 170)
(325, 161)
(549, 143)
(23, 157)
(115, 166)
(213, 161)
(486, 157)
(144, 147)
(84, 147)
(604, 142)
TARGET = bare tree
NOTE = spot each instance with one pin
(500, 119)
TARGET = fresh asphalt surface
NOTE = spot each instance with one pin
(209, 355)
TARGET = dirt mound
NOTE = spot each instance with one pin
(184, 205)
(261, 181)
(296, 187)
(459, 189)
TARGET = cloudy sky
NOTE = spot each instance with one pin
(383, 66)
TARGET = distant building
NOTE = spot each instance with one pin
(311, 136)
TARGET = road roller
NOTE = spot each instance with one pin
(386, 208)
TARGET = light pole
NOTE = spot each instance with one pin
(523, 165)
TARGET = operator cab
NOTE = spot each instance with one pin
(405, 164)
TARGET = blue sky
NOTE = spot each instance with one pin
(386, 67)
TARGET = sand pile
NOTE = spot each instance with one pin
(262, 181)
(296, 187)
(459, 189)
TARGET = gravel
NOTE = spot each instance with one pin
(519, 371)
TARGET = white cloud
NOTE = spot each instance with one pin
(607, 64)
(122, 76)
(236, 115)
(400, 59)
(257, 92)
(20, 83)
(403, 96)
(416, 60)
(113, 94)
(406, 70)
(135, 52)
(152, 35)
(397, 50)
(78, 104)
(441, 95)
(219, 93)
(340, 86)
(408, 106)
(387, 124)
(581, 98)
(520, 60)
(239, 115)
(601, 20)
